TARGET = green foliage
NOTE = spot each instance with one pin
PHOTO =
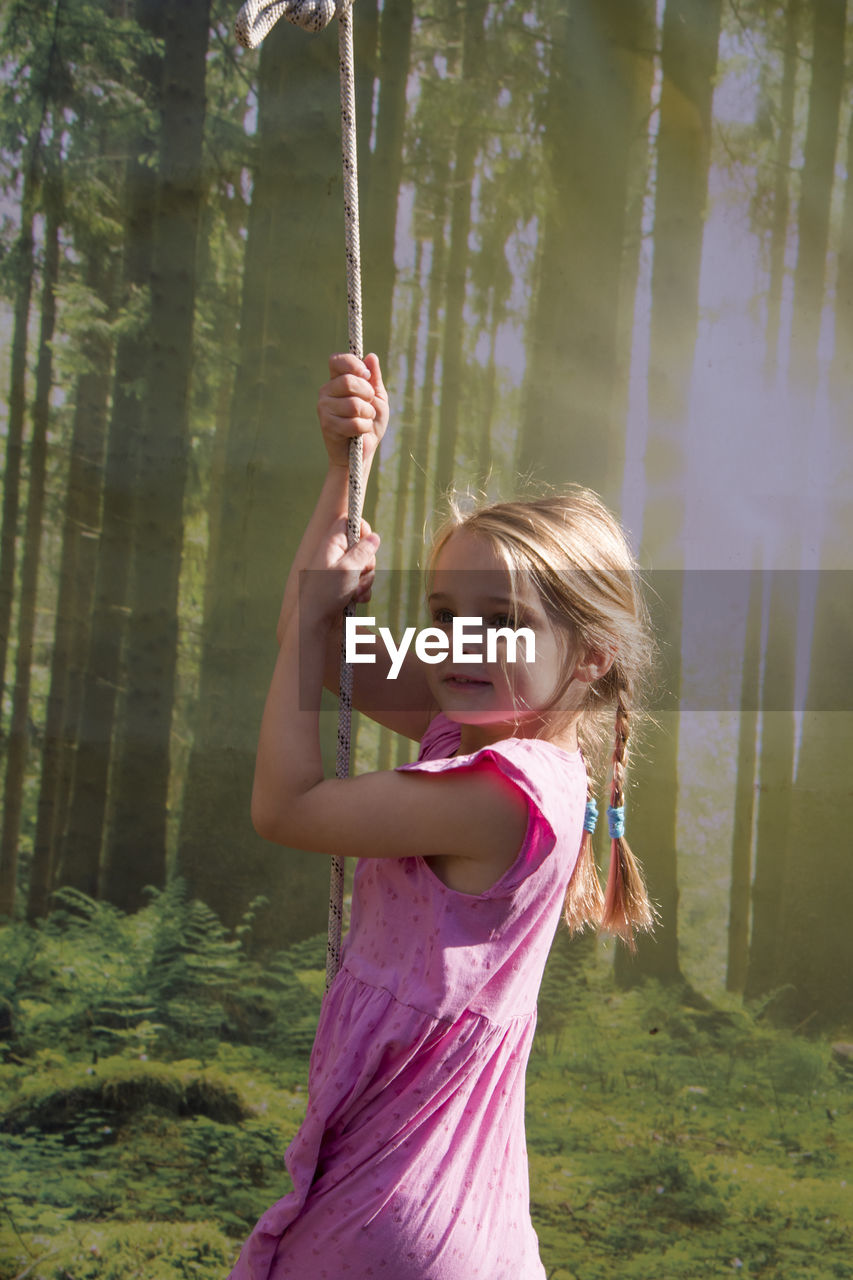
(126, 1140)
(115, 1251)
(169, 980)
(670, 1140)
(665, 1138)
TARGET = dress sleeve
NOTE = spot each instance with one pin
(545, 780)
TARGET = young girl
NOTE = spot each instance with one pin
(411, 1162)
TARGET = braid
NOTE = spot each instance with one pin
(584, 899)
(620, 747)
(626, 904)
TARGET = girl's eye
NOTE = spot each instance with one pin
(442, 617)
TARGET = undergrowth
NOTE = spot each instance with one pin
(154, 1071)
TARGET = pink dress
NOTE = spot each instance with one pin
(411, 1161)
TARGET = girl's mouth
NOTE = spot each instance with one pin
(467, 682)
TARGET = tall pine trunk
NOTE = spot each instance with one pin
(399, 545)
(385, 173)
(569, 432)
(816, 943)
(16, 758)
(293, 314)
(775, 780)
(424, 410)
(84, 830)
(776, 852)
(641, 71)
(467, 141)
(815, 955)
(691, 31)
(72, 627)
(738, 935)
(23, 275)
(781, 189)
(137, 836)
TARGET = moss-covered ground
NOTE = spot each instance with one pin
(143, 1115)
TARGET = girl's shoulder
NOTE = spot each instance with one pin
(553, 780)
(442, 738)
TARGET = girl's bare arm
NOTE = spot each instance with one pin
(352, 404)
(472, 818)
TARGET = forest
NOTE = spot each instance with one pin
(607, 242)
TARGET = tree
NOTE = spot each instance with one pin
(16, 758)
(738, 951)
(781, 187)
(470, 91)
(385, 173)
(17, 403)
(81, 835)
(590, 121)
(815, 952)
(776, 854)
(293, 314)
(39, 79)
(775, 780)
(691, 31)
(136, 853)
(81, 520)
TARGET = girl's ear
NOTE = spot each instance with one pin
(594, 664)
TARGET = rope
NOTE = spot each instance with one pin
(254, 21)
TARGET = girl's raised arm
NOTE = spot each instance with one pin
(354, 402)
(473, 820)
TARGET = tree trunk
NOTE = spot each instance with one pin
(569, 430)
(815, 954)
(467, 141)
(83, 834)
(816, 941)
(691, 31)
(781, 189)
(738, 948)
(490, 391)
(777, 854)
(17, 409)
(815, 195)
(78, 868)
(426, 407)
(399, 544)
(642, 76)
(365, 35)
(386, 168)
(81, 520)
(293, 314)
(137, 836)
(19, 736)
(775, 779)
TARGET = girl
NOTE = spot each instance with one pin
(411, 1162)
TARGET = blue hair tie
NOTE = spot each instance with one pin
(590, 816)
(616, 821)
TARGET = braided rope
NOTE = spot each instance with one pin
(254, 21)
(258, 17)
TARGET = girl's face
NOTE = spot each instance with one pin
(471, 581)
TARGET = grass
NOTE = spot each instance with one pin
(671, 1142)
(664, 1141)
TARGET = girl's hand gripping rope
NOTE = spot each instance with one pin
(353, 402)
(338, 575)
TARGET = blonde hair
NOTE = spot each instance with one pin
(577, 558)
